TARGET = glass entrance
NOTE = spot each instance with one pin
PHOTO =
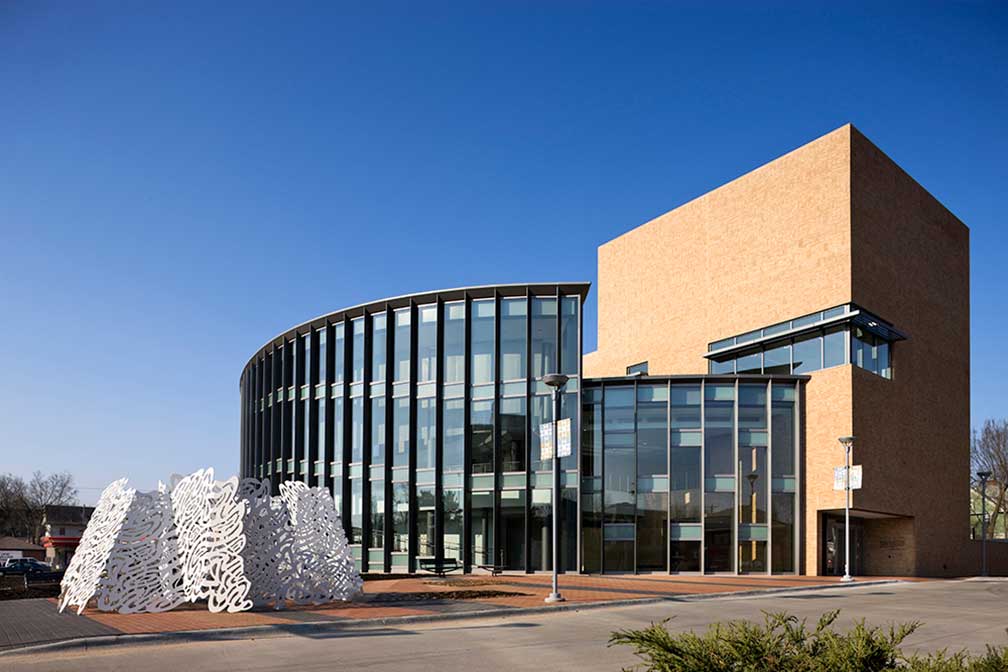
(833, 546)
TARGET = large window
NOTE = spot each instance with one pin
(322, 365)
(378, 347)
(481, 436)
(544, 336)
(426, 433)
(401, 346)
(513, 346)
(400, 432)
(338, 346)
(819, 341)
(454, 434)
(358, 349)
(454, 342)
(569, 322)
(357, 429)
(378, 430)
(427, 343)
(482, 351)
(512, 434)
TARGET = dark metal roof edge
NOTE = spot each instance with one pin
(581, 288)
(699, 376)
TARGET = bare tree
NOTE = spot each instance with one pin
(13, 521)
(46, 490)
(990, 453)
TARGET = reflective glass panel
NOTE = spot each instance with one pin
(454, 342)
(481, 437)
(401, 345)
(338, 353)
(652, 431)
(569, 354)
(751, 363)
(541, 530)
(481, 543)
(684, 484)
(544, 336)
(400, 517)
(684, 556)
(835, 347)
(782, 532)
(357, 429)
(807, 354)
(454, 434)
(426, 432)
(718, 517)
(323, 363)
(777, 360)
(591, 433)
(377, 515)
(512, 439)
(400, 432)
(358, 349)
(512, 532)
(378, 430)
(356, 511)
(514, 313)
(685, 406)
(482, 351)
(427, 342)
(718, 430)
(379, 344)
(451, 501)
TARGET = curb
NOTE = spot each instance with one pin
(83, 644)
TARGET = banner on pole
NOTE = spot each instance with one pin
(563, 437)
(546, 441)
(840, 477)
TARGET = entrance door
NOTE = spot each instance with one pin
(833, 546)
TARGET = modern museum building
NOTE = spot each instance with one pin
(821, 295)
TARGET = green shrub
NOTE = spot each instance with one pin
(783, 643)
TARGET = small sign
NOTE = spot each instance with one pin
(8, 555)
(546, 441)
(563, 437)
(840, 477)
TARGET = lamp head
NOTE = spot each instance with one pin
(555, 379)
(846, 441)
(984, 475)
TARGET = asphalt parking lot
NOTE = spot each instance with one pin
(956, 614)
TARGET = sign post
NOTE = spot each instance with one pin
(847, 442)
(548, 441)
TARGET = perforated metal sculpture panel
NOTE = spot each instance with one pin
(227, 542)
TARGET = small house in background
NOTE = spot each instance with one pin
(63, 527)
(11, 547)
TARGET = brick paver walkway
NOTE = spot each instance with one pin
(35, 621)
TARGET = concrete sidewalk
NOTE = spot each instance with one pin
(30, 623)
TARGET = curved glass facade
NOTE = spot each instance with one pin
(421, 415)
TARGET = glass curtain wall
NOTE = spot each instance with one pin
(689, 476)
(423, 419)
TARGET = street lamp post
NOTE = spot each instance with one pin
(847, 442)
(984, 475)
(556, 381)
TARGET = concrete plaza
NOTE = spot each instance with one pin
(956, 614)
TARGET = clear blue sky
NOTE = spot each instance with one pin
(180, 183)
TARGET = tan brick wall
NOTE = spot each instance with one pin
(828, 409)
(889, 547)
(770, 245)
(911, 267)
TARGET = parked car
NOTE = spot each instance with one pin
(28, 573)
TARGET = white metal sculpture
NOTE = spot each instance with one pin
(227, 542)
